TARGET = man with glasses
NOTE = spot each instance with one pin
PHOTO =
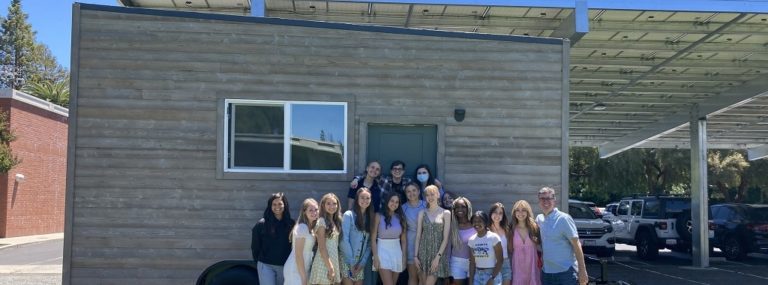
(562, 254)
(397, 181)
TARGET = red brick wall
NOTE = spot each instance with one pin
(36, 205)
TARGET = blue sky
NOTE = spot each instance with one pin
(52, 20)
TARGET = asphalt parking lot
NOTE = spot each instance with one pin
(676, 268)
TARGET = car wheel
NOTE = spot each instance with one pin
(684, 226)
(646, 246)
(733, 249)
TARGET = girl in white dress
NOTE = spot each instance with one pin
(303, 240)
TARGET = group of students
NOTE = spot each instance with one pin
(393, 225)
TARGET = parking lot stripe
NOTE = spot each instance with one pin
(659, 273)
(742, 273)
(739, 263)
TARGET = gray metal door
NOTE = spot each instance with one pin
(413, 144)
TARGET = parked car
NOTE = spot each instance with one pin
(740, 229)
(655, 222)
(596, 236)
(609, 213)
(594, 208)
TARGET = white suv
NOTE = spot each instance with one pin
(596, 236)
(655, 222)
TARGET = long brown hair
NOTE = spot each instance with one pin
(362, 219)
(398, 212)
(504, 223)
(332, 220)
(530, 223)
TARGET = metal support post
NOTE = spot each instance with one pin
(699, 195)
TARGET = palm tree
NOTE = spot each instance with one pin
(54, 92)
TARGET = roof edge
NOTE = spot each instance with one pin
(34, 101)
(318, 24)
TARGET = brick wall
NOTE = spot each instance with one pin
(36, 205)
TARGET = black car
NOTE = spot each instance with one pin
(740, 229)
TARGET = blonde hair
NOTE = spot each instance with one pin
(303, 219)
(529, 222)
(435, 190)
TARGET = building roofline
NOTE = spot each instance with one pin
(318, 24)
(34, 101)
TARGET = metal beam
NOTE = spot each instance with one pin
(668, 46)
(724, 101)
(576, 25)
(758, 152)
(733, 6)
(258, 8)
(699, 199)
(678, 64)
(659, 77)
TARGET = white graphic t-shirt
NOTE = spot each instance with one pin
(482, 249)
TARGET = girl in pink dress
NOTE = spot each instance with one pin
(526, 241)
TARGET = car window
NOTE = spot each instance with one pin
(759, 215)
(612, 209)
(677, 206)
(637, 208)
(623, 208)
(716, 212)
(580, 211)
(652, 209)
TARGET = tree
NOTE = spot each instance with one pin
(17, 47)
(726, 169)
(56, 92)
(7, 159)
(45, 68)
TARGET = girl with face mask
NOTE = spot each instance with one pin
(425, 178)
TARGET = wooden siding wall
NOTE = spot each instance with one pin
(147, 203)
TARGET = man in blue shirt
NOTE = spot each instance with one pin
(562, 254)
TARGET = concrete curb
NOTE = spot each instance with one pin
(24, 240)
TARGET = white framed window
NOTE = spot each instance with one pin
(285, 136)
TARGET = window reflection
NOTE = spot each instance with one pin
(317, 137)
(258, 136)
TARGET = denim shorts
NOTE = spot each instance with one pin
(482, 275)
(506, 270)
(459, 267)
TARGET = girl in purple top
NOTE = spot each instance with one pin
(389, 246)
(461, 231)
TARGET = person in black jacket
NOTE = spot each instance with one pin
(270, 242)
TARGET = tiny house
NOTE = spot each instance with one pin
(182, 124)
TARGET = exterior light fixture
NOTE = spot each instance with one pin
(459, 113)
